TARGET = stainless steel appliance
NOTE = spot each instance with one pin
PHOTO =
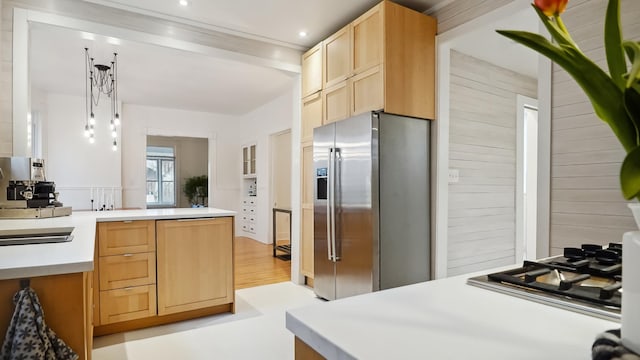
(586, 280)
(371, 205)
(25, 192)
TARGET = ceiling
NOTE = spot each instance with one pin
(166, 77)
(271, 20)
(152, 75)
(487, 45)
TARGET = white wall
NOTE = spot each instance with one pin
(71, 161)
(483, 114)
(257, 126)
(224, 150)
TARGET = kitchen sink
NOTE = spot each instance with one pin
(35, 236)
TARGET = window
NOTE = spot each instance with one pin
(161, 176)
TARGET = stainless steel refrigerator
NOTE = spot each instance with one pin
(371, 204)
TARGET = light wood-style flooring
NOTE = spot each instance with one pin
(255, 264)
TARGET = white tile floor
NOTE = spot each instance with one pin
(256, 331)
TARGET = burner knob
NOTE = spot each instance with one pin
(607, 257)
(591, 249)
(574, 253)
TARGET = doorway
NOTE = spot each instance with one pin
(281, 191)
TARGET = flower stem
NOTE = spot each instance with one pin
(562, 27)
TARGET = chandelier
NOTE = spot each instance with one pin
(101, 80)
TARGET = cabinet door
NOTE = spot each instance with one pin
(245, 160)
(367, 91)
(311, 115)
(126, 237)
(335, 102)
(119, 271)
(306, 248)
(252, 156)
(312, 71)
(337, 55)
(367, 33)
(127, 304)
(195, 264)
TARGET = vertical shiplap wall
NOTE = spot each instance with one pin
(586, 203)
(462, 11)
(482, 148)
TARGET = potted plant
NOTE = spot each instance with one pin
(196, 189)
(615, 97)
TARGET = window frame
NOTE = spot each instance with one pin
(159, 160)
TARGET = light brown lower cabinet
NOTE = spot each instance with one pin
(188, 274)
(127, 304)
(194, 264)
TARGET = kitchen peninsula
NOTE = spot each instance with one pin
(442, 319)
(106, 276)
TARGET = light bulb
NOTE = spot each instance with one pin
(115, 146)
(91, 131)
(92, 119)
(116, 121)
(86, 131)
(112, 125)
(114, 134)
(92, 140)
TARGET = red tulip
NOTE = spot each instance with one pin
(551, 7)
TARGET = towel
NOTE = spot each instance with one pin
(608, 346)
(28, 337)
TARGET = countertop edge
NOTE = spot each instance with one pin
(164, 217)
(46, 270)
(312, 338)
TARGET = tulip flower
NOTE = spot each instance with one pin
(551, 7)
(615, 97)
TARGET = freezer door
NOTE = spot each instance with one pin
(324, 267)
(354, 215)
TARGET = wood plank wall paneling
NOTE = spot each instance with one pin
(586, 204)
(123, 19)
(483, 149)
(461, 11)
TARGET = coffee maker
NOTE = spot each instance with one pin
(25, 191)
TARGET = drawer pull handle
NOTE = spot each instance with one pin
(127, 221)
(128, 288)
(127, 255)
(198, 219)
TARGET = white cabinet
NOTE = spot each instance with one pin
(249, 161)
(248, 214)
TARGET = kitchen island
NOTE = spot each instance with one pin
(106, 276)
(442, 319)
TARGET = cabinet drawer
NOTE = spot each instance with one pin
(120, 271)
(126, 237)
(127, 304)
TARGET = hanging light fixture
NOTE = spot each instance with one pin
(101, 79)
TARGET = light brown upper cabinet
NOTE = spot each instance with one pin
(383, 60)
(311, 116)
(337, 57)
(312, 71)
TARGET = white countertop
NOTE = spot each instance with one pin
(444, 319)
(21, 261)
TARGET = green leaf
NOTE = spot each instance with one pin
(606, 97)
(632, 105)
(613, 44)
(634, 73)
(630, 174)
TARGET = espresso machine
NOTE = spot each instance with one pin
(25, 192)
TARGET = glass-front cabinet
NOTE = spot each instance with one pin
(249, 160)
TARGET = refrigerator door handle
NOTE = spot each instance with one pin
(329, 205)
(336, 195)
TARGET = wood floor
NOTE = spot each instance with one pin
(255, 264)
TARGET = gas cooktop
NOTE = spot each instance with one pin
(586, 279)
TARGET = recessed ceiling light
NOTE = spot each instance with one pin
(302, 33)
(184, 2)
